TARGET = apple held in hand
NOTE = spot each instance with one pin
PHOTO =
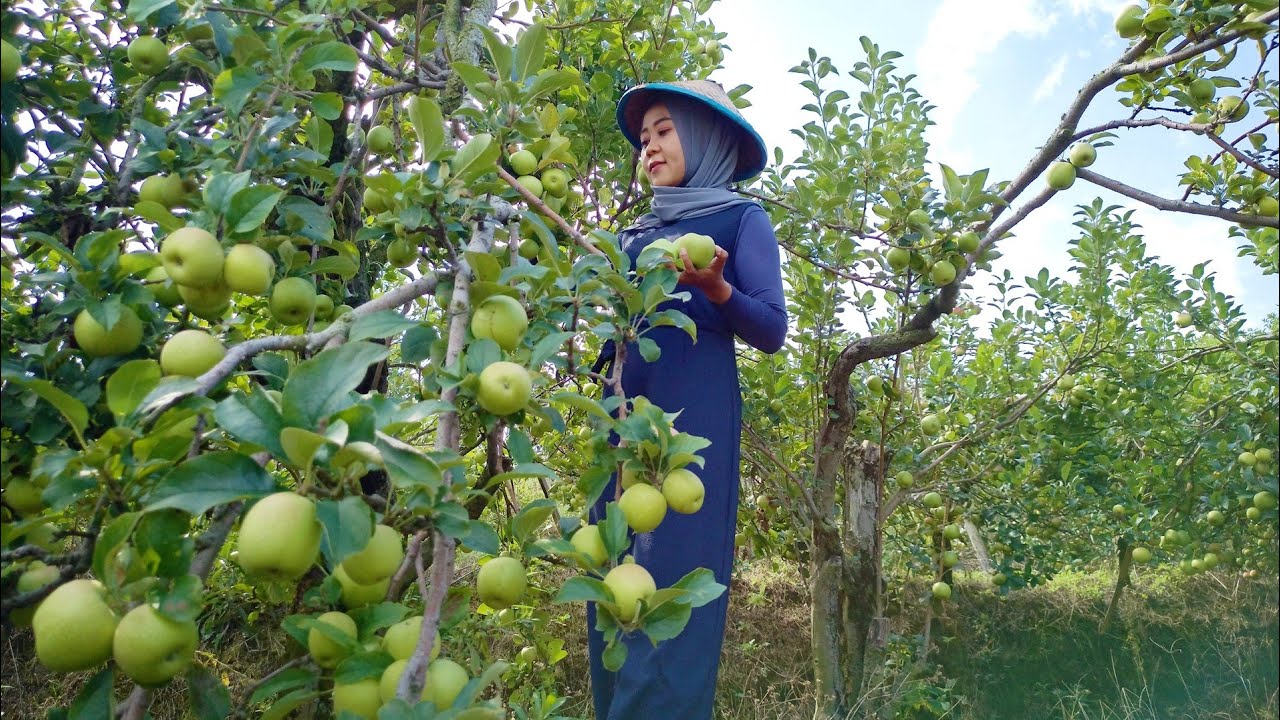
(379, 559)
(293, 300)
(249, 269)
(683, 491)
(74, 627)
(148, 55)
(279, 537)
(701, 249)
(123, 338)
(629, 583)
(505, 388)
(192, 257)
(151, 648)
(643, 506)
(500, 318)
(191, 353)
(326, 651)
(501, 582)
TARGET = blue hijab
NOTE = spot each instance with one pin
(710, 148)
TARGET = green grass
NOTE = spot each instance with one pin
(1202, 648)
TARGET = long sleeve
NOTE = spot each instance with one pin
(757, 310)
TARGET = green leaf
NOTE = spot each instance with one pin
(362, 666)
(331, 55)
(416, 344)
(340, 265)
(208, 697)
(428, 124)
(613, 531)
(95, 700)
(407, 466)
(252, 418)
(531, 517)
(582, 588)
(220, 189)
(381, 324)
(183, 600)
(348, 525)
(233, 87)
(615, 655)
(71, 409)
(499, 52)
(155, 212)
(140, 10)
(290, 679)
(530, 52)
(481, 537)
(702, 587)
(477, 157)
(581, 402)
(111, 538)
(328, 105)
(319, 386)
(372, 618)
(130, 383)
(162, 535)
(210, 480)
(486, 266)
(666, 621)
(281, 708)
(250, 207)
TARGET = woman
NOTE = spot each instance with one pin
(692, 144)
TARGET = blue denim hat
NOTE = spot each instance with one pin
(751, 148)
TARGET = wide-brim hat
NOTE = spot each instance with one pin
(751, 148)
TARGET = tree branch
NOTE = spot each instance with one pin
(1160, 203)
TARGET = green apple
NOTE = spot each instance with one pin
(10, 61)
(1157, 20)
(999, 579)
(701, 248)
(589, 542)
(1202, 90)
(1210, 561)
(381, 140)
(1262, 455)
(1061, 175)
(1216, 518)
(941, 590)
(1248, 459)
(555, 181)
(151, 648)
(168, 190)
(390, 681)
(1233, 108)
(293, 299)
(505, 388)
(362, 698)
(532, 184)
(968, 242)
(324, 307)
(375, 202)
(1197, 565)
(148, 55)
(1268, 206)
(932, 500)
(643, 506)
(23, 495)
(249, 269)
(401, 639)
(164, 289)
(341, 310)
(930, 424)
(210, 302)
(326, 651)
(1183, 319)
(123, 338)
(904, 480)
(529, 248)
(1264, 500)
(501, 582)
(683, 491)
(1141, 554)
(942, 273)
(1129, 22)
(632, 474)
(528, 655)
(950, 558)
(402, 253)
(379, 559)
(899, 259)
(1253, 513)
(919, 219)
(523, 162)
(875, 385)
(191, 353)
(357, 595)
(192, 257)
(500, 318)
(951, 532)
(74, 627)
(629, 584)
(279, 537)
(36, 576)
(1082, 154)
(1119, 510)
(445, 680)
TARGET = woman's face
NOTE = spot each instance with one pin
(660, 151)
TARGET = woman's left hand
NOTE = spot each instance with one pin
(710, 280)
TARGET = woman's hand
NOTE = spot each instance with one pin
(710, 280)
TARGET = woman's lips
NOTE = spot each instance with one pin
(655, 166)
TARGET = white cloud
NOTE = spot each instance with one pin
(1051, 80)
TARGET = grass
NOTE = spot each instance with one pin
(1203, 648)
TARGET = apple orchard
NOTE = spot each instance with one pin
(301, 303)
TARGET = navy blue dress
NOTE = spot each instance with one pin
(677, 679)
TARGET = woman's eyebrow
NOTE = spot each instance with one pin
(655, 123)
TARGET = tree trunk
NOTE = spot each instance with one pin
(1124, 554)
(979, 547)
(863, 491)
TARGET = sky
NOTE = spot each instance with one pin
(1000, 73)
